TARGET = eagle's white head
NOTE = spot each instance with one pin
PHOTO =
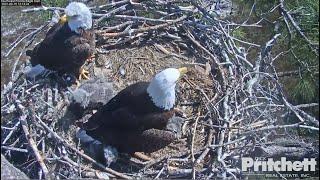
(78, 16)
(162, 87)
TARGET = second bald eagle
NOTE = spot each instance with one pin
(136, 118)
(68, 44)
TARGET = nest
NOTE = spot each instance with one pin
(233, 107)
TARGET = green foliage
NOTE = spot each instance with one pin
(300, 56)
(239, 33)
(304, 91)
(52, 3)
(197, 15)
(55, 3)
(306, 15)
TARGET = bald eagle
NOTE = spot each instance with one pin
(68, 44)
(136, 118)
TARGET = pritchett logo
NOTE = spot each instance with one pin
(269, 165)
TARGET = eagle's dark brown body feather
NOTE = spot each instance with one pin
(63, 50)
(131, 122)
(134, 141)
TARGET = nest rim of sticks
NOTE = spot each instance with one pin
(231, 92)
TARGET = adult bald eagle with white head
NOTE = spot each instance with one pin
(134, 120)
(68, 44)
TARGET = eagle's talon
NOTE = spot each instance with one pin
(84, 74)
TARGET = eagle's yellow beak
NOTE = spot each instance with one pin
(183, 71)
(63, 19)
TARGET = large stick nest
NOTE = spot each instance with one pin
(234, 106)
